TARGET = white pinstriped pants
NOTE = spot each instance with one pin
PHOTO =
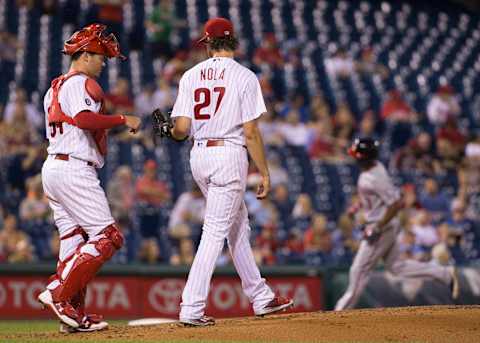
(221, 174)
(76, 199)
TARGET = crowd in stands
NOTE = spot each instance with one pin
(434, 159)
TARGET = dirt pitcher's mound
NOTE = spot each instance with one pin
(409, 324)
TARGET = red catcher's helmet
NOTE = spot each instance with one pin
(217, 28)
(93, 38)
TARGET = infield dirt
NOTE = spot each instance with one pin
(440, 324)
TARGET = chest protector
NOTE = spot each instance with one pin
(56, 117)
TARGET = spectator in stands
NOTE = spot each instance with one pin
(263, 211)
(450, 143)
(269, 128)
(110, 13)
(119, 99)
(268, 53)
(28, 4)
(292, 249)
(174, 68)
(340, 64)
(343, 126)
(323, 145)
(472, 149)
(19, 103)
(411, 204)
(127, 253)
(465, 228)
(319, 110)
(160, 25)
(396, 109)
(278, 174)
(185, 253)
(426, 235)
(186, 218)
(409, 249)
(318, 243)
(302, 212)
(293, 131)
(347, 236)
(443, 105)
(150, 251)
(417, 155)
(145, 101)
(296, 103)
(266, 245)
(14, 243)
(368, 64)
(164, 95)
(315, 233)
(283, 204)
(33, 159)
(48, 7)
(434, 200)
(35, 205)
(367, 126)
(267, 89)
(121, 193)
(8, 57)
(469, 179)
(152, 195)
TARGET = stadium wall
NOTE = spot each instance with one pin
(137, 291)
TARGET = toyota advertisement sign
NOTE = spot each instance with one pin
(133, 297)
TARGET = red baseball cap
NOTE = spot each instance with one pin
(217, 28)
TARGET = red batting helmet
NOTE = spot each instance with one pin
(93, 38)
(217, 28)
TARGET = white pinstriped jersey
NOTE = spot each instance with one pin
(219, 95)
(78, 143)
(377, 192)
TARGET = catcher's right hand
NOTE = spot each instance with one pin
(162, 124)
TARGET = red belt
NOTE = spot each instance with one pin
(65, 157)
(213, 142)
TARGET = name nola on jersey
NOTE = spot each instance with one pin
(211, 74)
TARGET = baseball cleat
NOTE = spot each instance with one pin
(203, 321)
(455, 283)
(62, 309)
(275, 305)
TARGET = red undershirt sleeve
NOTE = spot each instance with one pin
(87, 120)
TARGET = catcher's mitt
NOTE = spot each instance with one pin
(162, 124)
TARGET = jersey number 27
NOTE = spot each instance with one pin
(203, 98)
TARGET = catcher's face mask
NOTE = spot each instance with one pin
(93, 39)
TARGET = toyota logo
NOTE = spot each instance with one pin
(164, 295)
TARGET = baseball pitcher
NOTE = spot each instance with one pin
(76, 131)
(381, 202)
(219, 102)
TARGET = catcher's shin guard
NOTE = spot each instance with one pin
(74, 275)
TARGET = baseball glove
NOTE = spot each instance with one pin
(162, 124)
(371, 233)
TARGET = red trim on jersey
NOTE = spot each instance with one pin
(88, 120)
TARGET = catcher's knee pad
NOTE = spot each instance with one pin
(75, 273)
